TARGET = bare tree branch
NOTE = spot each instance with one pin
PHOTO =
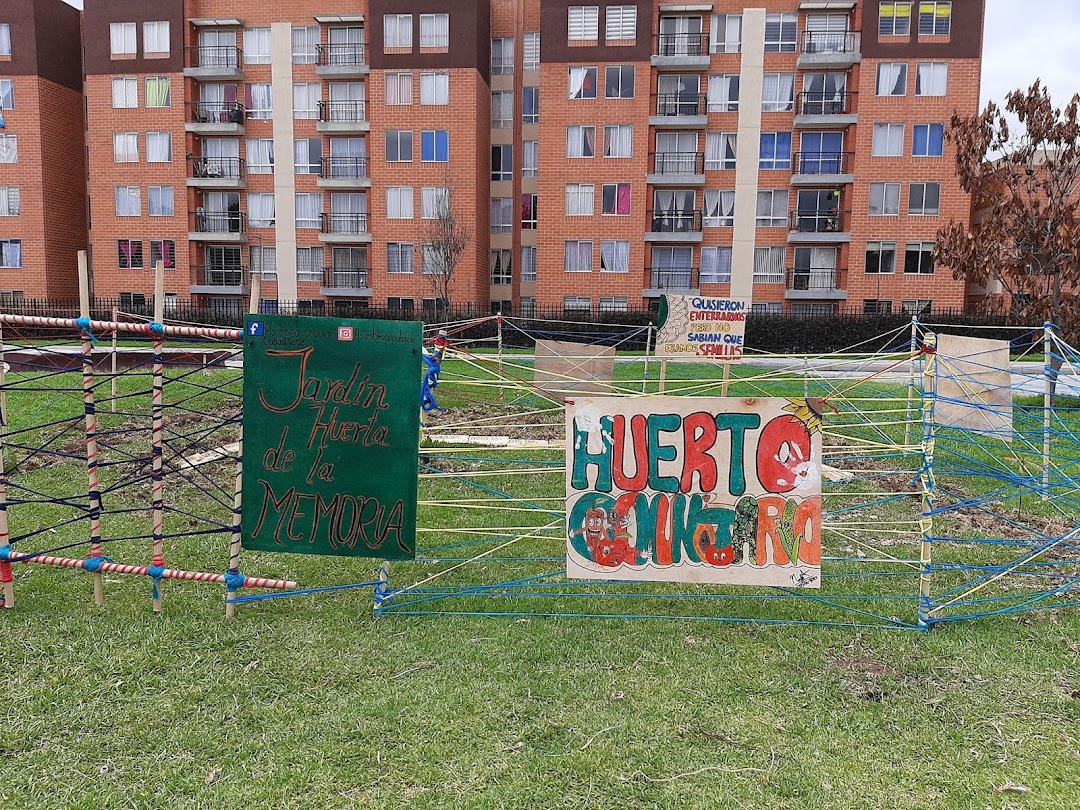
(445, 240)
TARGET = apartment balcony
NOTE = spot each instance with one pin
(674, 226)
(219, 279)
(819, 226)
(679, 281)
(814, 284)
(825, 110)
(214, 62)
(679, 111)
(680, 51)
(829, 49)
(342, 116)
(822, 168)
(345, 282)
(349, 229)
(216, 118)
(217, 226)
(677, 169)
(344, 172)
(216, 172)
(341, 60)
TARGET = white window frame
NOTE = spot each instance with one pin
(580, 199)
(125, 147)
(769, 264)
(156, 32)
(133, 196)
(304, 45)
(9, 148)
(400, 251)
(501, 215)
(725, 144)
(167, 141)
(881, 247)
(397, 32)
(125, 89)
(884, 200)
(122, 39)
(577, 246)
(578, 76)
(894, 24)
(920, 210)
(577, 141)
(434, 200)
(10, 201)
(530, 158)
(161, 198)
(773, 219)
(900, 80)
(399, 202)
(772, 101)
(530, 51)
(435, 88)
(5, 39)
(619, 141)
(435, 31)
(723, 92)
(714, 274)
(788, 23)
(615, 212)
(725, 34)
(620, 23)
(397, 89)
(888, 140)
(256, 46)
(615, 256)
(583, 23)
(931, 79)
(935, 16)
(306, 98)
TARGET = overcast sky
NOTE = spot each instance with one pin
(1024, 41)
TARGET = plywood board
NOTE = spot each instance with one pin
(974, 388)
(564, 367)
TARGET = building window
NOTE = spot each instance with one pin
(884, 199)
(778, 92)
(772, 208)
(927, 140)
(125, 93)
(894, 19)
(769, 265)
(580, 141)
(931, 78)
(917, 306)
(158, 91)
(502, 55)
(577, 256)
(159, 201)
(158, 147)
(434, 88)
(615, 256)
(781, 33)
(261, 209)
(9, 201)
(502, 162)
(309, 208)
(719, 209)
(619, 141)
(132, 300)
(9, 149)
(767, 309)
(502, 109)
(720, 150)
(156, 38)
(435, 31)
(502, 215)
(305, 38)
(620, 23)
(580, 199)
(309, 264)
(935, 18)
(306, 98)
(398, 88)
(501, 267)
(5, 39)
(892, 79)
(164, 251)
(530, 50)
(264, 262)
(583, 24)
(577, 303)
(528, 263)
(724, 93)
(307, 155)
(399, 202)
(877, 306)
(615, 199)
(726, 33)
(530, 158)
(880, 257)
(259, 101)
(583, 82)
(125, 147)
(775, 152)
(256, 46)
(400, 257)
(11, 298)
(398, 145)
(397, 31)
(122, 38)
(434, 202)
(716, 265)
(530, 105)
(613, 303)
(435, 146)
(128, 201)
(403, 305)
(919, 258)
(529, 207)
(11, 252)
(619, 82)
(129, 254)
(7, 94)
(888, 140)
(260, 155)
(924, 199)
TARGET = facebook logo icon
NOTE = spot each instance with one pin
(255, 328)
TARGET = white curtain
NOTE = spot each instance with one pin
(160, 201)
(122, 37)
(619, 141)
(577, 257)
(433, 201)
(9, 201)
(11, 253)
(309, 263)
(261, 209)
(579, 199)
(125, 147)
(304, 40)
(128, 201)
(578, 77)
(530, 158)
(260, 155)
(724, 93)
(778, 92)
(769, 265)
(260, 101)
(502, 214)
(306, 98)
(531, 51)
(434, 30)
(399, 257)
(257, 46)
(931, 78)
(399, 202)
(212, 98)
(720, 150)
(5, 39)
(719, 209)
(397, 30)
(125, 93)
(308, 209)
(158, 147)
(398, 88)
(435, 89)
(891, 79)
(7, 94)
(716, 265)
(528, 263)
(726, 33)
(580, 141)
(615, 256)
(502, 110)
(156, 37)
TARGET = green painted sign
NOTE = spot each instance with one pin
(331, 435)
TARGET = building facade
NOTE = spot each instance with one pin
(599, 154)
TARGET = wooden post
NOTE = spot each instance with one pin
(927, 479)
(157, 483)
(724, 381)
(90, 416)
(112, 401)
(6, 575)
(648, 350)
(914, 346)
(502, 396)
(1048, 403)
(663, 374)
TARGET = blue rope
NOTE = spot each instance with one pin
(84, 328)
(93, 564)
(234, 580)
(155, 572)
(157, 329)
(303, 592)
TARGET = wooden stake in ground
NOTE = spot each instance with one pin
(6, 576)
(663, 374)
(90, 415)
(725, 379)
(112, 401)
(157, 485)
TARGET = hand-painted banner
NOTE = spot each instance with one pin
(331, 435)
(700, 490)
(692, 327)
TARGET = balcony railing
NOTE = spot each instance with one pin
(344, 168)
(821, 162)
(220, 275)
(682, 44)
(825, 279)
(215, 56)
(352, 112)
(226, 168)
(345, 278)
(217, 112)
(341, 54)
(671, 104)
(679, 162)
(829, 102)
(344, 223)
(675, 221)
(830, 42)
(679, 278)
(819, 221)
(218, 221)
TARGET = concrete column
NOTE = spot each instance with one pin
(751, 78)
(281, 75)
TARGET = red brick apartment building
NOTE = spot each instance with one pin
(42, 168)
(600, 154)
